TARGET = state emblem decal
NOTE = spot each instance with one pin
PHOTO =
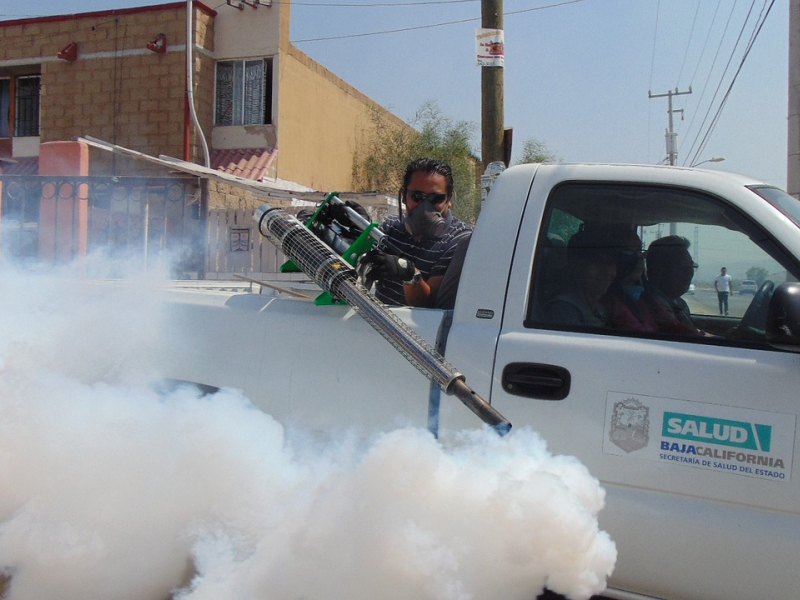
(630, 425)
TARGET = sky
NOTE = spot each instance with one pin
(578, 73)
(117, 487)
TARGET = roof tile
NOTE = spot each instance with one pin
(250, 163)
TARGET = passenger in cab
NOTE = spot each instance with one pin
(592, 267)
(621, 300)
(670, 270)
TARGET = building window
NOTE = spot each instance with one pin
(244, 92)
(5, 108)
(19, 106)
(27, 113)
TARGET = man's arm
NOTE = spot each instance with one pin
(423, 293)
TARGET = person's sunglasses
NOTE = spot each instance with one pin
(420, 197)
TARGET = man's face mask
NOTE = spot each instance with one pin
(426, 221)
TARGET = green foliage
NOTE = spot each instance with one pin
(535, 151)
(758, 274)
(381, 163)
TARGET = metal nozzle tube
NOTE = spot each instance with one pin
(336, 276)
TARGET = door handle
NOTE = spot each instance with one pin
(536, 380)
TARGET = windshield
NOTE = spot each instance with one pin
(788, 205)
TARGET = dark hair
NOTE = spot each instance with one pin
(430, 165)
(592, 245)
(663, 251)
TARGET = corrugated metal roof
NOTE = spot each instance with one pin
(249, 163)
(28, 165)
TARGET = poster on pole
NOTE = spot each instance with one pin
(490, 47)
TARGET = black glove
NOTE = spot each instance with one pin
(338, 212)
(376, 265)
(304, 216)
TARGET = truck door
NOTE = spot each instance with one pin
(616, 348)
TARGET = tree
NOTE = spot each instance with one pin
(381, 162)
(536, 151)
(757, 274)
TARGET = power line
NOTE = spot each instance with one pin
(319, 4)
(710, 72)
(724, 71)
(443, 24)
(688, 43)
(376, 4)
(655, 40)
(705, 43)
(733, 81)
(719, 86)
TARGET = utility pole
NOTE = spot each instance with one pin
(492, 149)
(672, 137)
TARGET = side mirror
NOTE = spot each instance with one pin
(783, 318)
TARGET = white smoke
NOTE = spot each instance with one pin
(113, 486)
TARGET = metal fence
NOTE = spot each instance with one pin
(60, 218)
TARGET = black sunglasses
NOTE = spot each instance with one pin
(420, 197)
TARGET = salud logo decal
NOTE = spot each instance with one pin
(697, 435)
(723, 432)
(630, 425)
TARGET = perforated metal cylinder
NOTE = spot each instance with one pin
(336, 276)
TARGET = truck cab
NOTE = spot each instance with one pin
(693, 435)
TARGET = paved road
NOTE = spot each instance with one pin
(704, 302)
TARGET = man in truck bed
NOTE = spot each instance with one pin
(428, 235)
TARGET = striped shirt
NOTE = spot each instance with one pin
(431, 257)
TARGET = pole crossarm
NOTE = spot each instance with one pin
(671, 137)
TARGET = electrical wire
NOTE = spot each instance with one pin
(753, 38)
(688, 44)
(655, 40)
(319, 4)
(432, 25)
(705, 85)
(717, 90)
(705, 43)
(652, 67)
(396, 4)
(375, 4)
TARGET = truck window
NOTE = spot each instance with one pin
(640, 260)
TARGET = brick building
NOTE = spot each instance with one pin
(121, 76)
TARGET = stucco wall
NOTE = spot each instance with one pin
(322, 121)
(248, 32)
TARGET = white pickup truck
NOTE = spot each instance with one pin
(693, 438)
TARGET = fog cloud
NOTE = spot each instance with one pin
(115, 486)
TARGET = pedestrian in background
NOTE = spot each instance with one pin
(724, 287)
